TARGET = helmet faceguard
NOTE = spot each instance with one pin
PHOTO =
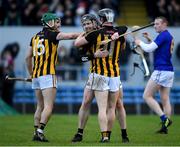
(49, 17)
(106, 15)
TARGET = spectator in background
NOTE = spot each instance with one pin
(174, 10)
(42, 8)
(151, 9)
(8, 56)
(29, 13)
(60, 11)
(69, 13)
(68, 18)
(80, 11)
(53, 5)
(162, 7)
(13, 16)
(94, 8)
(2, 13)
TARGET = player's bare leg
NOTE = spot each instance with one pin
(164, 93)
(121, 116)
(102, 99)
(49, 95)
(83, 114)
(150, 90)
(112, 100)
(85, 107)
(39, 109)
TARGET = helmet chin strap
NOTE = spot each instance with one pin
(50, 26)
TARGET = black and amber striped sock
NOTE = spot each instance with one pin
(42, 126)
(104, 134)
(35, 128)
(109, 134)
(80, 131)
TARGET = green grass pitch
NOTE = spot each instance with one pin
(18, 130)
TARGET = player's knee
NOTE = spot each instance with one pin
(102, 116)
(119, 104)
(146, 96)
(86, 105)
(87, 101)
(165, 99)
(48, 109)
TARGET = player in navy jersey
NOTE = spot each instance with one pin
(162, 77)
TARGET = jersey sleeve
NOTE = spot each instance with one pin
(121, 29)
(91, 37)
(53, 35)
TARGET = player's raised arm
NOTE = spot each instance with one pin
(80, 41)
(66, 36)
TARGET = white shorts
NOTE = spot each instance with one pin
(101, 83)
(163, 78)
(44, 82)
(114, 84)
(97, 82)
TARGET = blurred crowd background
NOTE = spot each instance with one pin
(29, 12)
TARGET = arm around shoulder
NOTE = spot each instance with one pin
(66, 36)
(80, 40)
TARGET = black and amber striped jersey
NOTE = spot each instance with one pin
(44, 45)
(85, 53)
(108, 66)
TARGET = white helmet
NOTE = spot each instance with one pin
(106, 14)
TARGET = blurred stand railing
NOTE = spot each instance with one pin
(73, 95)
(71, 72)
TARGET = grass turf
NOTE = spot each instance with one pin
(18, 130)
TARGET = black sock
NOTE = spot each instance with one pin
(109, 134)
(80, 131)
(123, 133)
(42, 126)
